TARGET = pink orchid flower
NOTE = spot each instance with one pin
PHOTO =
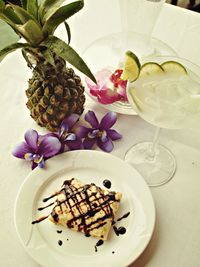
(109, 88)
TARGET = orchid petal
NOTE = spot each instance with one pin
(89, 143)
(62, 131)
(93, 133)
(122, 93)
(94, 91)
(107, 96)
(41, 163)
(90, 83)
(115, 77)
(114, 135)
(82, 131)
(70, 137)
(109, 88)
(49, 146)
(37, 158)
(53, 134)
(104, 139)
(91, 118)
(123, 84)
(28, 156)
(34, 165)
(69, 122)
(31, 138)
(62, 148)
(20, 150)
(104, 136)
(108, 120)
(75, 145)
(105, 146)
(102, 77)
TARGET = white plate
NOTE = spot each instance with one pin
(41, 240)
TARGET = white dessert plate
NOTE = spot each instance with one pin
(41, 240)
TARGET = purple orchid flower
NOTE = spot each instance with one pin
(99, 133)
(37, 150)
(68, 139)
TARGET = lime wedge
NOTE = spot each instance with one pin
(131, 68)
(174, 67)
(150, 68)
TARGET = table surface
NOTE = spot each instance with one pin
(176, 239)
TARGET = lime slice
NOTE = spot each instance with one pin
(131, 68)
(174, 67)
(150, 68)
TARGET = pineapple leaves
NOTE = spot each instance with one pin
(69, 54)
(27, 59)
(23, 3)
(8, 49)
(48, 7)
(9, 13)
(61, 15)
(47, 54)
(9, 16)
(2, 5)
(32, 8)
(21, 13)
(31, 32)
(7, 20)
(68, 32)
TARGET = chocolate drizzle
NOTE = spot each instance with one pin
(39, 219)
(42, 208)
(53, 195)
(107, 183)
(119, 231)
(60, 242)
(121, 218)
(99, 243)
(76, 198)
(124, 216)
(55, 216)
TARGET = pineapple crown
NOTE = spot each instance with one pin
(36, 23)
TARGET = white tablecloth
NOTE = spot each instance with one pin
(176, 240)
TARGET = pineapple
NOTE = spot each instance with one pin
(54, 91)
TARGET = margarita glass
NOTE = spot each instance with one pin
(167, 95)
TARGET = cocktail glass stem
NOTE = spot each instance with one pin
(152, 149)
(155, 162)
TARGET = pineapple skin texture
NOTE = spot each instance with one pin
(54, 94)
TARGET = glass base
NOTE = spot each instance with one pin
(156, 170)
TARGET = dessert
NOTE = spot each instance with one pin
(85, 207)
